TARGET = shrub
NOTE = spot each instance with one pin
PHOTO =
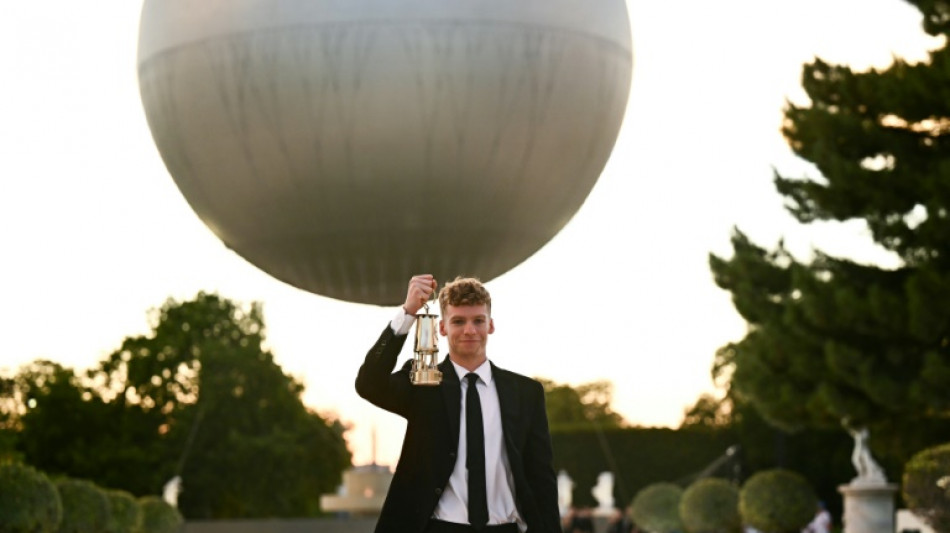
(158, 516)
(126, 512)
(656, 508)
(710, 505)
(85, 507)
(777, 501)
(927, 486)
(29, 502)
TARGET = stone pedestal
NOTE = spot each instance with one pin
(868, 507)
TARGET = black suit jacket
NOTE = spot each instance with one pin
(432, 434)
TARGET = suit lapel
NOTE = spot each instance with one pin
(508, 401)
(452, 396)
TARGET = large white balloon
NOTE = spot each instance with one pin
(344, 145)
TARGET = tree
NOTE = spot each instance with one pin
(832, 339)
(582, 406)
(708, 412)
(8, 421)
(243, 442)
(199, 397)
(62, 422)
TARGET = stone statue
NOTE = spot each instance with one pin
(171, 490)
(604, 492)
(565, 488)
(944, 483)
(869, 472)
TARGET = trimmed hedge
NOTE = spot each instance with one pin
(29, 502)
(637, 456)
(777, 501)
(85, 507)
(711, 505)
(656, 508)
(126, 512)
(926, 486)
(158, 516)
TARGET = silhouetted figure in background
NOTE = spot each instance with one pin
(620, 522)
(581, 521)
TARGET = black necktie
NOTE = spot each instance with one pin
(475, 462)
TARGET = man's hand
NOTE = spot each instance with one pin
(421, 288)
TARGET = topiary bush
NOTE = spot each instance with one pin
(656, 508)
(85, 507)
(710, 505)
(158, 516)
(126, 512)
(29, 502)
(777, 501)
(926, 487)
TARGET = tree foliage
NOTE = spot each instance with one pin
(832, 339)
(586, 405)
(708, 412)
(108, 443)
(200, 397)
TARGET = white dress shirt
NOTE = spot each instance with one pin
(499, 483)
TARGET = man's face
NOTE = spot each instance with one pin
(467, 328)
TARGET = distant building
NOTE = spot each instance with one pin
(362, 493)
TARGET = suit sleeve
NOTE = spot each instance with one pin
(376, 381)
(539, 464)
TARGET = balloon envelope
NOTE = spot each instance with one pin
(344, 145)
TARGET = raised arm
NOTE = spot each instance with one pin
(376, 381)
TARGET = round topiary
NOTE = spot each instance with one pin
(126, 512)
(656, 508)
(29, 502)
(158, 516)
(711, 505)
(85, 507)
(927, 486)
(777, 501)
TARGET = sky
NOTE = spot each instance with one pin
(95, 234)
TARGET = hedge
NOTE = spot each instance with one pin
(29, 502)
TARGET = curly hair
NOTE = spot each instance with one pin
(464, 291)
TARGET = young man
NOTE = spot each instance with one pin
(508, 484)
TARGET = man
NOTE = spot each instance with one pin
(508, 485)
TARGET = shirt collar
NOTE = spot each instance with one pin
(483, 371)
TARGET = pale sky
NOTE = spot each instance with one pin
(95, 232)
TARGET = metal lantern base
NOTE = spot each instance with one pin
(426, 377)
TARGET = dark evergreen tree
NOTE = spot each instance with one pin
(830, 339)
